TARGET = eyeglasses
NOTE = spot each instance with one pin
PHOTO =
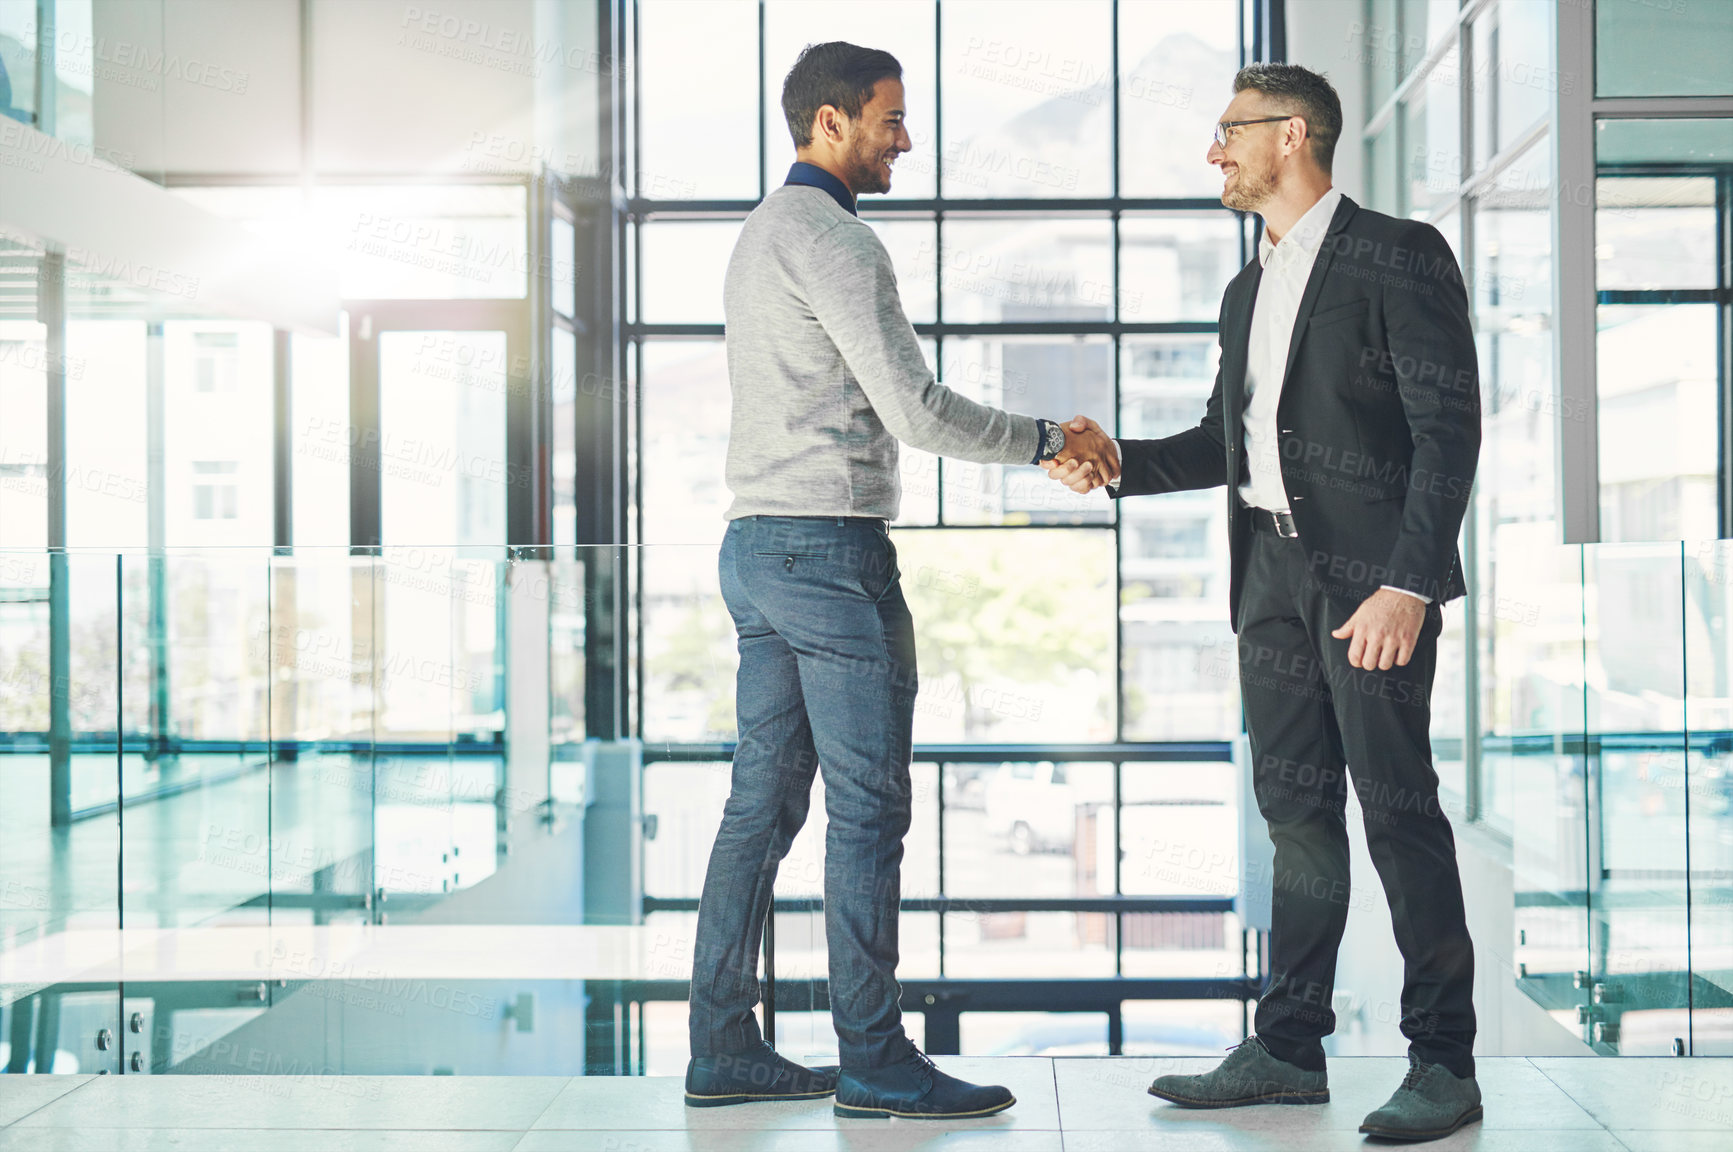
(1222, 128)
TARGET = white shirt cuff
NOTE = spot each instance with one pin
(1405, 592)
(1114, 483)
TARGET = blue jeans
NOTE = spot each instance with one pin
(827, 680)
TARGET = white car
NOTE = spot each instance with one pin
(1032, 807)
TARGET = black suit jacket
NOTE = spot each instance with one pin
(1378, 422)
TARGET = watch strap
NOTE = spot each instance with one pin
(1050, 444)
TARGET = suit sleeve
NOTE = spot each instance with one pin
(1438, 381)
(1185, 461)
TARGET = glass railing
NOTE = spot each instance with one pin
(227, 776)
(1610, 765)
(320, 811)
(332, 812)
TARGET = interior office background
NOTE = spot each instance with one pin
(365, 689)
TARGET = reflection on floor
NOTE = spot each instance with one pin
(1080, 1104)
(220, 831)
(210, 851)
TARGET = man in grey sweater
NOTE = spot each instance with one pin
(827, 377)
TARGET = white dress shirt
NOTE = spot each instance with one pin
(1287, 267)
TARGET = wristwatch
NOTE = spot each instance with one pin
(1052, 440)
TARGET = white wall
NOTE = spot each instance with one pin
(407, 87)
(198, 85)
(1323, 36)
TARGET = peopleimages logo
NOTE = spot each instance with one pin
(22, 147)
(129, 63)
(511, 49)
(1035, 70)
(139, 275)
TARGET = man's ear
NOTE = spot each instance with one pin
(830, 124)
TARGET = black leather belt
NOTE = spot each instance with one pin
(1276, 523)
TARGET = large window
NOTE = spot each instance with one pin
(1457, 135)
(1647, 49)
(1662, 192)
(1588, 205)
(1060, 248)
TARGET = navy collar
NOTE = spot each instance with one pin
(812, 176)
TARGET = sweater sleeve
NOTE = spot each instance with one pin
(852, 289)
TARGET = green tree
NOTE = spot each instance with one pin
(1031, 607)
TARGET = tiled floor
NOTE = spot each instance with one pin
(1077, 1104)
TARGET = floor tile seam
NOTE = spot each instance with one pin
(855, 1125)
(183, 1127)
(48, 1103)
(558, 1092)
(272, 1128)
(1568, 1096)
(1058, 1108)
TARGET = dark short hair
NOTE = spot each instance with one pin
(839, 74)
(1302, 93)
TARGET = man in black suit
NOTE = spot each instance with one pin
(1345, 423)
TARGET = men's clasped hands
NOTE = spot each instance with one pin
(1381, 633)
(1090, 459)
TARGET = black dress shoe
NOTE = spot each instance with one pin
(753, 1074)
(1249, 1075)
(1432, 1103)
(915, 1090)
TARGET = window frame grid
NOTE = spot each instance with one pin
(639, 210)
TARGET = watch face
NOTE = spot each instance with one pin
(1055, 440)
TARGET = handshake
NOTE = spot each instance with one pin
(1090, 458)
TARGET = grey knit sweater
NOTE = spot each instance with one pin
(826, 372)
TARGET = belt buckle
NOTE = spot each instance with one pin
(1285, 525)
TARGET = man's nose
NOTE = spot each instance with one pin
(1215, 155)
